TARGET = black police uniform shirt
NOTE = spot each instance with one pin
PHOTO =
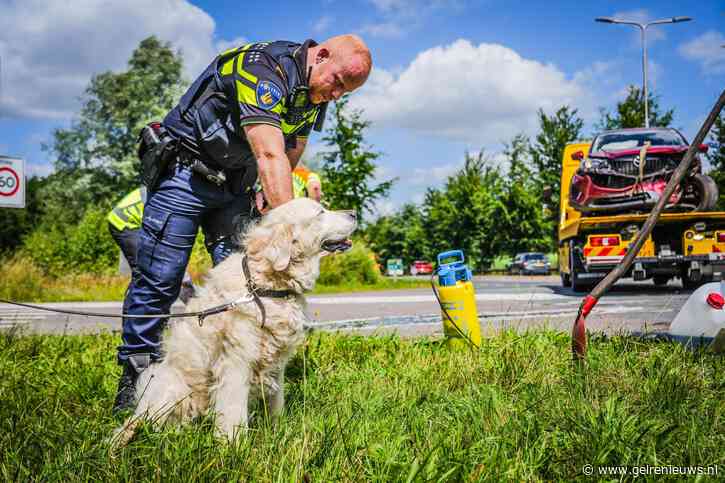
(268, 83)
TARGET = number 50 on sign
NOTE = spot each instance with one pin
(12, 182)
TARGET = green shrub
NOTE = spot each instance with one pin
(357, 266)
(21, 280)
(86, 248)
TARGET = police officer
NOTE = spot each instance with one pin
(124, 224)
(247, 116)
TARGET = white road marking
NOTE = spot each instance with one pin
(412, 299)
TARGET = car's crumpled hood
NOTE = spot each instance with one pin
(634, 152)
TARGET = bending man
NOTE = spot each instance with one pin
(247, 115)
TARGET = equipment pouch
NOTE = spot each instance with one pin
(156, 150)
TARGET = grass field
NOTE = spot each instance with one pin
(381, 409)
(23, 281)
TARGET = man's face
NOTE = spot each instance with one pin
(330, 80)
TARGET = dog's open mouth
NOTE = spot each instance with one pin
(341, 245)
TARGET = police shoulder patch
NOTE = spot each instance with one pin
(268, 94)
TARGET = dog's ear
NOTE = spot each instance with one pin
(279, 247)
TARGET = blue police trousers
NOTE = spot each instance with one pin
(180, 204)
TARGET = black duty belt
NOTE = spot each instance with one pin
(191, 159)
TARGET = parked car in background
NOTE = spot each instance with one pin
(420, 267)
(529, 263)
(395, 267)
(612, 178)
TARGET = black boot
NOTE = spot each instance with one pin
(126, 393)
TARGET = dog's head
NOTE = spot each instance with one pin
(287, 244)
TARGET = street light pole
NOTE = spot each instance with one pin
(643, 31)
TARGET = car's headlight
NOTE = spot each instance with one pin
(588, 164)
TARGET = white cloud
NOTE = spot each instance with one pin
(387, 30)
(482, 94)
(654, 32)
(434, 175)
(40, 170)
(322, 24)
(222, 45)
(50, 49)
(707, 50)
(397, 17)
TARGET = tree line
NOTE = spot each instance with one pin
(488, 211)
(486, 208)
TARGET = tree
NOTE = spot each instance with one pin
(555, 132)
(16, 223)
(349, 169)
(463, 213)
(400, 235)
(521, 222)
(716, 155)
(630, 112)
(95, 159)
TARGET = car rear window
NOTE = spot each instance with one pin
(536, 256)
(620, 141)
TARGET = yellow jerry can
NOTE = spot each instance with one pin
(458, 300)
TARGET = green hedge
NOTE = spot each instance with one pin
(86, 248)
(357, 266)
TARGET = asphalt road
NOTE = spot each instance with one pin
(503, 302)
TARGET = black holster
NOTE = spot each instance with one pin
(156, 149)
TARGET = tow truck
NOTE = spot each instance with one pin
(689, 246)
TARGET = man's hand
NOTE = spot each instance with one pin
(273, 165)
(314, 190)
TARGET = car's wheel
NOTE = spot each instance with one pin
(660, 280)
(706, 191)
(578, 284)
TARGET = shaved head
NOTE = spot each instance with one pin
(340, 65)
(350, 52)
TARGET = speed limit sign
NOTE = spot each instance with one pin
(12, 182)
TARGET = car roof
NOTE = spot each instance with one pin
(638, 130)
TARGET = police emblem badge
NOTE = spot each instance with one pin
(268, 94)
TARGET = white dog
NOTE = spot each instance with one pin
(236, 355)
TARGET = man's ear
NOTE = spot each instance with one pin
(322, 55)
(279, 247)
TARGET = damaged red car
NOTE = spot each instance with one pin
(613, 179)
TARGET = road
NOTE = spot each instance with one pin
(503, 302)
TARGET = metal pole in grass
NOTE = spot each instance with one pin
(578, 333)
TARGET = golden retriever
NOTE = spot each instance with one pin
(231, 358)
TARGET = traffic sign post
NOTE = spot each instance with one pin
(12, 182)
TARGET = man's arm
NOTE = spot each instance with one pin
(273, 165)
(295, 153)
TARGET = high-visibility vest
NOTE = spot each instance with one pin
(300, 178)
(128, 213)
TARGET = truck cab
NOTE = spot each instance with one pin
(689, 246)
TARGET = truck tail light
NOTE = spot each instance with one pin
(721, 237)
(604, 241)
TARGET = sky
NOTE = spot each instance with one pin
(449, 76)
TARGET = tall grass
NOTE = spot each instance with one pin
(380, 409)
(23, 280)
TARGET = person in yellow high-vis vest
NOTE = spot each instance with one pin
(306, 183)
(124, 224)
